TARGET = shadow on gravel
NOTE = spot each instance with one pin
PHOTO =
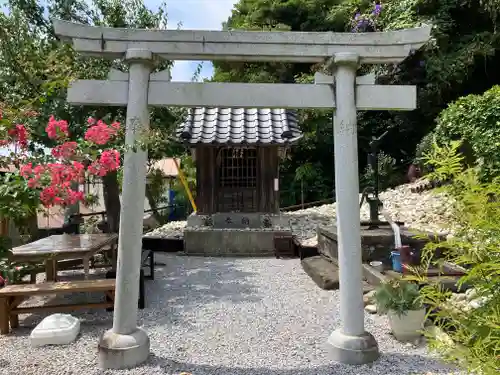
(388, 364)
(89, 317)
(186, 283)
(181, 285)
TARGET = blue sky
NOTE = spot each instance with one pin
(194, 15)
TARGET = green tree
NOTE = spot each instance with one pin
(35, 69)
(475, 119)
(462, 58)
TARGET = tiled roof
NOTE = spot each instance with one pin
(239, 126)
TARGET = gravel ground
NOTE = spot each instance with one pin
(223, 316)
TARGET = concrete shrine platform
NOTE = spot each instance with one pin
(237, 234)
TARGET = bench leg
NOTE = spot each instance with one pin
(4, 316)
(14, 318)
(114, 256)
(33, 277)
(51, 270)
(86, 267)
(142, 296)
(152, 265)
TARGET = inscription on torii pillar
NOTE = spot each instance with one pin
(125, 345)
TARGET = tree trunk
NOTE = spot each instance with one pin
(71, 220)
(152, 203)
(111, 195)
(31, 228)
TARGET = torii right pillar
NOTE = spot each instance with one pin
(349, 344)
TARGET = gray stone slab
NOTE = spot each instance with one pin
(229, 242)
(280, 221)
(323, 272)
(312, 47)
(236, 220)
(195, 220)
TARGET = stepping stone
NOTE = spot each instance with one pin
(55, 329)
(323, 272)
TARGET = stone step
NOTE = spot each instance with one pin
(326, 273)
(323, 272)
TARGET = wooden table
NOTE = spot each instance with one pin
(65, 247)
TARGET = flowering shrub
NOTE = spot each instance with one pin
(18, 134)
(366, 23)
(57, 129)
(72, 161)
(100, 133)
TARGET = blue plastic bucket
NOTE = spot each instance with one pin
(396, 261)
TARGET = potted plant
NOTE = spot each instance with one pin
(402, 302)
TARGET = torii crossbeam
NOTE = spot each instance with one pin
(125, 345)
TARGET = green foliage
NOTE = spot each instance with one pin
(18, 202)
(444, 161)
(398, 296)
(475, 246)
(157, 186)
(423, 147)
(475, 119)
(462, 58)
(189, 169)
(388, 176)
(36, 68)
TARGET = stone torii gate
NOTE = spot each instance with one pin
(126, 345)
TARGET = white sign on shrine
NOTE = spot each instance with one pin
(126, 345)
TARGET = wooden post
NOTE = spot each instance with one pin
(4, 227)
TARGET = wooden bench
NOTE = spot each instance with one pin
(12, 296)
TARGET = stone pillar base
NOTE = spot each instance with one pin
(353, 350)
(118, 351)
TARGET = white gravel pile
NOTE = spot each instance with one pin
(223, 316)
(426, 211)
(173, 229)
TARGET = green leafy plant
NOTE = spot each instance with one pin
(388, 176)
(18, 202)
(473, 328)
(475, 119)
(398, 296)
(10, 272)
(444, 161)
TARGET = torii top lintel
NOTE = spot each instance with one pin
(372, 48)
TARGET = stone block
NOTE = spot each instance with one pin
(195, 220)
(323, 272)
(55, 329)
(234, 220)
(229, 242)
(280, 221)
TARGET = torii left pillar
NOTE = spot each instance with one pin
(126, 345)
